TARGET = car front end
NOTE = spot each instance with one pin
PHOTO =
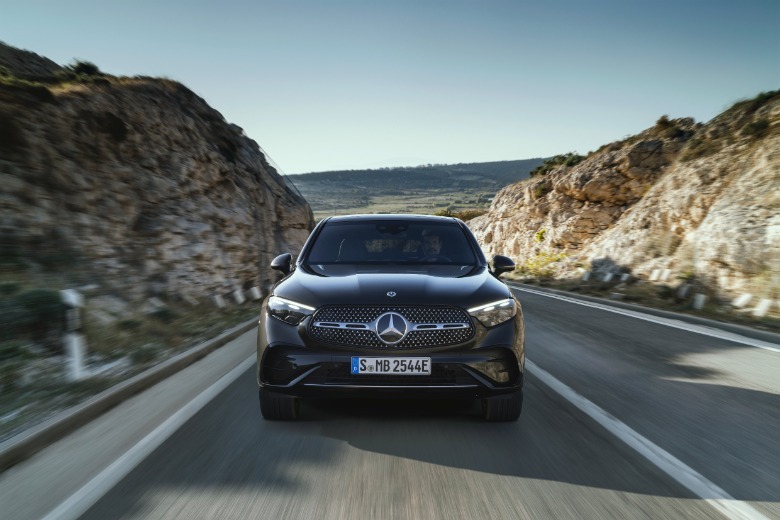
(389, 327)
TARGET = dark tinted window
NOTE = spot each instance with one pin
(391, 241)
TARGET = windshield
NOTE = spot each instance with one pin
(398, 242)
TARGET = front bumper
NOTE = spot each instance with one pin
(302, 372)
(293, 363)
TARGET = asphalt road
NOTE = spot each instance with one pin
(712, 403)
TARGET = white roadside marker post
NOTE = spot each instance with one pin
(742, 300)
(75, 344)
(762, 308)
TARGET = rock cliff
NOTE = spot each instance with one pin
(702, 200)
(137, 181)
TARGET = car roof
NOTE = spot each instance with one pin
(391, 216)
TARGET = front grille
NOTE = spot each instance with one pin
(353, 326)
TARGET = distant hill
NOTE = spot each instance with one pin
(410, 189)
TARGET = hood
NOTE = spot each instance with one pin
(359, 286)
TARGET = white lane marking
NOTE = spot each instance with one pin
(80, 502)
(663, 460)
(677, 324)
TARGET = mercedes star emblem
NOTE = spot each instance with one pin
(391, 294)
(391, 328)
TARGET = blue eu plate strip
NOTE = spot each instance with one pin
(355, 365)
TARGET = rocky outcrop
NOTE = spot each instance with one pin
(26, 65)
(702, 200)
(139, 184)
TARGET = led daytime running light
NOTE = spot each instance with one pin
(293, 305)
(494, 313)
(491, 306)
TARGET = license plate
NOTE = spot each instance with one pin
(392, 365)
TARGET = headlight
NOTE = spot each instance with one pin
(493, 313)
(287, 310)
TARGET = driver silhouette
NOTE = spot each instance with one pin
(431, 244)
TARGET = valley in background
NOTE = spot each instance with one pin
(427, 189)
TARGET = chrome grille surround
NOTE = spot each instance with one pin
(355, 326)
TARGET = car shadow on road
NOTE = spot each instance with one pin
(228, 446)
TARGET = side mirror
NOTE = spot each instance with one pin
(502, 264)
(282, 263)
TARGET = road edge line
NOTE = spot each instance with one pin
(672, 322)
(28, 442)
(683, 474)
(85, 497)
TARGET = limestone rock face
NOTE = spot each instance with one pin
(701, 200)
(142, 183)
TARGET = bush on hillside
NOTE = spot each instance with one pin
(84, 67)
(567, 160)
(756, 129)
(751, 105)
(464, 215)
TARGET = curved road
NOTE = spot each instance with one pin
(705, 405)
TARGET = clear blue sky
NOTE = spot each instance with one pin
(349, 84)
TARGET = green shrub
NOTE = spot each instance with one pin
(751, 105)
(144, 354)
(465, 215)
(668, 129)
(130, 324)
(541, 265)
(541, 189)
(164, 314)
(11, 254)
(539, 236)
(663, 122)
(43, 306)
(26, 92)
(697, 148)
(573, 159)
(469, 214)
(9, 288)
(568, 160)
(756, 129)
(84, 67)
(14, 319)
(80, 71)
(673, 132)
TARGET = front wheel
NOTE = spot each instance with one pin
(503, 408)
(278, 407)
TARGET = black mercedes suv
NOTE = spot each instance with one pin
(391, 305)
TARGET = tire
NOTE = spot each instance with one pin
(503, 408)
(278, 407)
